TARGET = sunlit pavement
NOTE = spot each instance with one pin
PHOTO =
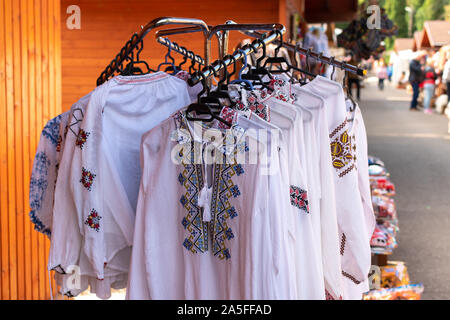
(416, 150)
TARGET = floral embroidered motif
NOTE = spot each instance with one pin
(87, 178)
(82, 138)
(51, 130)
(299, 198)
(93, 220)
(342, 150)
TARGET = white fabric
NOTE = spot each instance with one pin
(95, 211)
(307, 251)
(355, 244)
(319, 174)
(246, 266)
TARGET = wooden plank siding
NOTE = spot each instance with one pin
(106, 25)
(30, 86)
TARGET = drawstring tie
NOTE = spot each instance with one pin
(205, 196)
(204, 201)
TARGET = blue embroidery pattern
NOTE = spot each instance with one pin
(38, 187)
(192, 179)
(51, 130)
(223, 189)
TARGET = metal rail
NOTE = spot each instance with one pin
(217, 67)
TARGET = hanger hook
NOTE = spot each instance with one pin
(192, 57)
(245, 63)
(345, 80)
(334, 67)
(263, 46)
(308, 54)
(255, 50)
(225, 72)
(204, 86)
(233, 59)
(280, 44)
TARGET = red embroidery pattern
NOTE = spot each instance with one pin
(58, 145)
(87, 178)
(328, 296)
(93, 221)
(229, 115)
(339, 128)
(299, 198)
(81, 138)
(352, 278)
(343, 241)
(347, 171)
(260, 109)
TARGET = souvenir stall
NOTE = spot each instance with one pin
(391, 281)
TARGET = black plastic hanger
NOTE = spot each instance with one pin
(184, 60)
(167, 58)
(221, 92)
(255, 73)
(348, 91)
(281, 60)
(192, 66)
(132, 68)
(204, 104)
(247, 84)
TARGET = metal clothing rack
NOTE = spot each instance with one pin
(181, 50)
(221, 31)
(317, 56)
(219, 65)
(293, 48)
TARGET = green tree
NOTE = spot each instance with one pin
(396, 12)
(430, 10)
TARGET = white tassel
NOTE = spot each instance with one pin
(204, 201)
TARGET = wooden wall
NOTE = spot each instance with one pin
(30, 95)
(107, 24)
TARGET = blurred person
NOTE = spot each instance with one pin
(382, 75)
(429, 86)
(415, 78)
(390, 71)
(446, 74)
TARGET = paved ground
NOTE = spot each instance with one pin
(416, 150)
